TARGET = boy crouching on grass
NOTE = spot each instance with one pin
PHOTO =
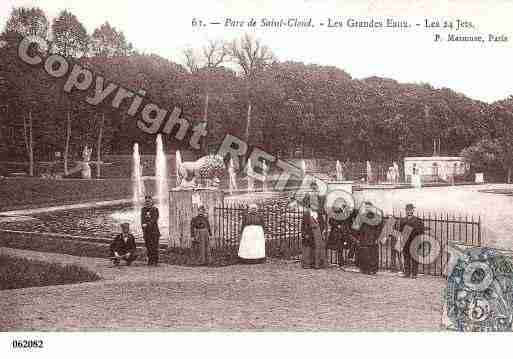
(123, 246)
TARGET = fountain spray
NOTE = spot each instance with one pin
(138, 190)
(161, 183)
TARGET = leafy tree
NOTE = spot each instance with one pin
(484, 156)
(253, 58)
(205, 67)
(70, 37)
(503, 115)
(28, 21)
(107, 41)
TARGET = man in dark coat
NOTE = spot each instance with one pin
(123, 246)
(341, 235)
(314, 200)
(314, 247)
(200, 232)
(150, 229)
(412, 226)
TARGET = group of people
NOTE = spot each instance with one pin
(352, 239)
(251, 249)
(342, 232)
(123, 246)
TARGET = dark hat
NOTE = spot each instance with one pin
(125, 224)
(410, 206)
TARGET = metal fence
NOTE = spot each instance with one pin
(282, 226)
(443, 230)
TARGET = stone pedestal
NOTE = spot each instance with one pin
(183, 206)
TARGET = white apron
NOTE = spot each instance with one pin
(252, 243)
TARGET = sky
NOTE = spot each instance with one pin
(480, 71)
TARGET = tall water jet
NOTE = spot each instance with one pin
(137, 180)
(265, 169)
(178, 164)
(340, 175)
(250, 177)
(302, 164)
(396, 171)
(138, 190)
(162, 187)
(369, 172)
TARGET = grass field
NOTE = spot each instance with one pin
(16, 272)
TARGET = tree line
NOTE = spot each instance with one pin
(238, 87)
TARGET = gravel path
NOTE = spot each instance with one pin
(271, 296)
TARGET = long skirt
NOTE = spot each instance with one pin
(203, 249)
(252, 243)
(368, 258)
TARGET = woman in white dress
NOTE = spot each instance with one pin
(252, 243)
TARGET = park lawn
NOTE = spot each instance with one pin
(41, 242)
(20, 193)
(52, 244)
(18, 272)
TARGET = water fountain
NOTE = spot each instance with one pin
(138, 190)
(178, 162)
(339, 173)
(249, 176)
(302, 165)
(396, 170)
(162, 187)
(369, 172)
(265, 169)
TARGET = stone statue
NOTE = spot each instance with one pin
(86, 158)
(208, 167)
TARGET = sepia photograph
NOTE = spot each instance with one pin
(300, 167)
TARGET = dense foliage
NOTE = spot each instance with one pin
(295, 108)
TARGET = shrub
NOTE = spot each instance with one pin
(16, 272)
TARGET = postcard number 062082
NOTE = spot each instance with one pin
(27, 344)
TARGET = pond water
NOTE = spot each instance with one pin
(495, 210)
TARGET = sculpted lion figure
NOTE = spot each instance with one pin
(209, 167)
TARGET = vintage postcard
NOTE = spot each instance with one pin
(242, 166)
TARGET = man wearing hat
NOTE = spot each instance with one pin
(412, 226)
(123, 246)
(314, 200)
(200, 232)
(150, 229)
